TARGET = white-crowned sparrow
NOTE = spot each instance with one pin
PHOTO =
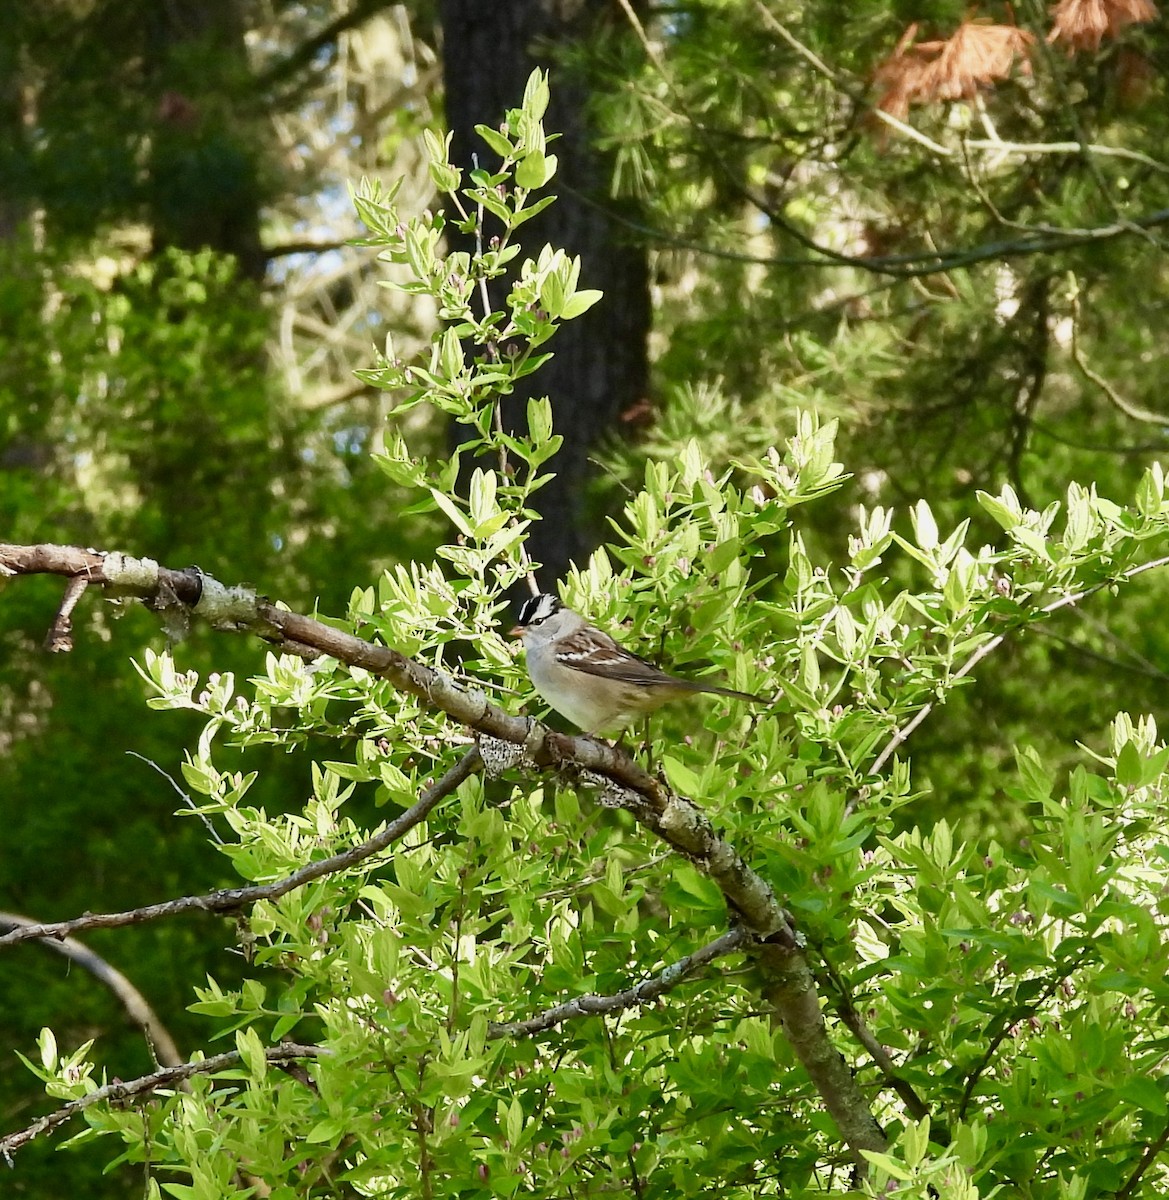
(588, 677)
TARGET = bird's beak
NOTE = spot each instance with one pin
(516, 631)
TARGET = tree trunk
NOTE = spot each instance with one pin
(204, 163)
(599, 369)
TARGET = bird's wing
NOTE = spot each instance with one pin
(609, 660)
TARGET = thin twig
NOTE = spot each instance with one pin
(846, 1010)
(59, 639)
(854, 94)
(1133, 411)
(902, 734)
(1141, 666)
(1140, 662)
(1005, 1021)
(914, 265)
(497, 402)
(642, 993)
(916, 1107)
(1058, 75)
(137, 1007)
(144, 1085)
(1151, 1151)
(777, 27)
(1128, 451)
(212, 832)
(233, 899)
(1093, 148)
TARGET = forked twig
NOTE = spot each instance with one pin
(902, 734)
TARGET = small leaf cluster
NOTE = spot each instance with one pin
(480, 351)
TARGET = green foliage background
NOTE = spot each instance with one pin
(138, 411)
(750, 138)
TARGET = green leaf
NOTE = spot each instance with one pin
(1129, 766)
(536, 95)
(1078, 527)
(181, 1191)
(451, 355)
(1056, 896)
(810, 669)
(251, 1050)
(1007, 514)
(1151, 492)
(47, 1045)
(446, 177)
(1039, 782)
(329, 1130)
(846, 631)
(925, 528)
(514, 1121)
(722, 556)
(912, 550)
(482, 498)
(1146, 1094)
(682, 779)
(499, 142)
(526, 214)
(889, 1165)
(453, 511)
(580, 302)
(698, 887)
(534, 170)
(914, 1142)
(540, 419)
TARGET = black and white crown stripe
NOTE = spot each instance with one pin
(538, 608)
